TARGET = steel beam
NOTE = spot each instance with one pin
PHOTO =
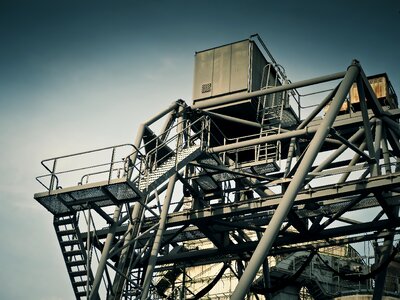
(158, 238)
(303, 124)
(104, 255)
(286, 87)
(232, 119)
(158, 116)
(306, 131)
(346, 234)
(283, 209)
(367, 126)
(353, 162)
(124, 260)
(339, 151)
(380, 279)
(325, 193)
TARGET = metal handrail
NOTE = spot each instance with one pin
(154, 151)
(136, 166)
(53, 174)
(38, 179)
(96, 173)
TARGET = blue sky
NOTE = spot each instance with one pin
(77, 75)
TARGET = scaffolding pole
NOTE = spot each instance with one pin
(265, 244)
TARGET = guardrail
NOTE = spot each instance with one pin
(235, 153)
(116, 161)
(112, 167)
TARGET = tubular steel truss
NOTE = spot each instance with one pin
(134, 220)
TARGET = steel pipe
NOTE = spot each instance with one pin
(303, 124)
(232, 119)
(158, 239)
(265, 139)
(94, 294)
(281, 88)
(170, 108)
(265, 244)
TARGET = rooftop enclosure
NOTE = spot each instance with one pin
(233, 68)
(233, 71)
(261, 188)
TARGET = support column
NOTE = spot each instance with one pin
(158, 239)
(124, 260)
(380, 279)
(104, 255)
(164, 214)
(265, 244)
(303, 124)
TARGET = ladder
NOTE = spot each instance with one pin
(270, 111)
(74, 253)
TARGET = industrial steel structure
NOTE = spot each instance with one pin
(238, 195)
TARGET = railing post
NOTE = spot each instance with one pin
(94, 294)
(209, 132)
(237, 155)
(154, 166)
(158, 238)
(111, 164)
(88, 253)
(53, 171)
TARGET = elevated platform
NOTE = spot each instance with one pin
(114, 191)
(114, 181)
(81, 197)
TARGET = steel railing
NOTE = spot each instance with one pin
(111, 168)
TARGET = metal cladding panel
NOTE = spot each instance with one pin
(258, 62)
(203, 74)
(222, 70)
(378, 84)
(381, 87)
(240, 66)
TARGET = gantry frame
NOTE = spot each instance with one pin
(147, 221)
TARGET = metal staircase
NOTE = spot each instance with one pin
(74, 253)
(315, 289)
(112, 182)
(153, 178)
(118, 181)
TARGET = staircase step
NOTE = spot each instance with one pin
(65, 221)
(72, 242)
(78, 273)
(76, 263)
(66, 232)
(80, 283)
(73, 253)
(81, 294)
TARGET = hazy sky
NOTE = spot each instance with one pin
(77, 75)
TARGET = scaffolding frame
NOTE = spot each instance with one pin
(182, 185)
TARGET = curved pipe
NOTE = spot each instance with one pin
(208, 288)
(358, 277)
(292, 278)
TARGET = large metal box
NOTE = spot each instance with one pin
(379, 84)
(229, 69)
(382, 88)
